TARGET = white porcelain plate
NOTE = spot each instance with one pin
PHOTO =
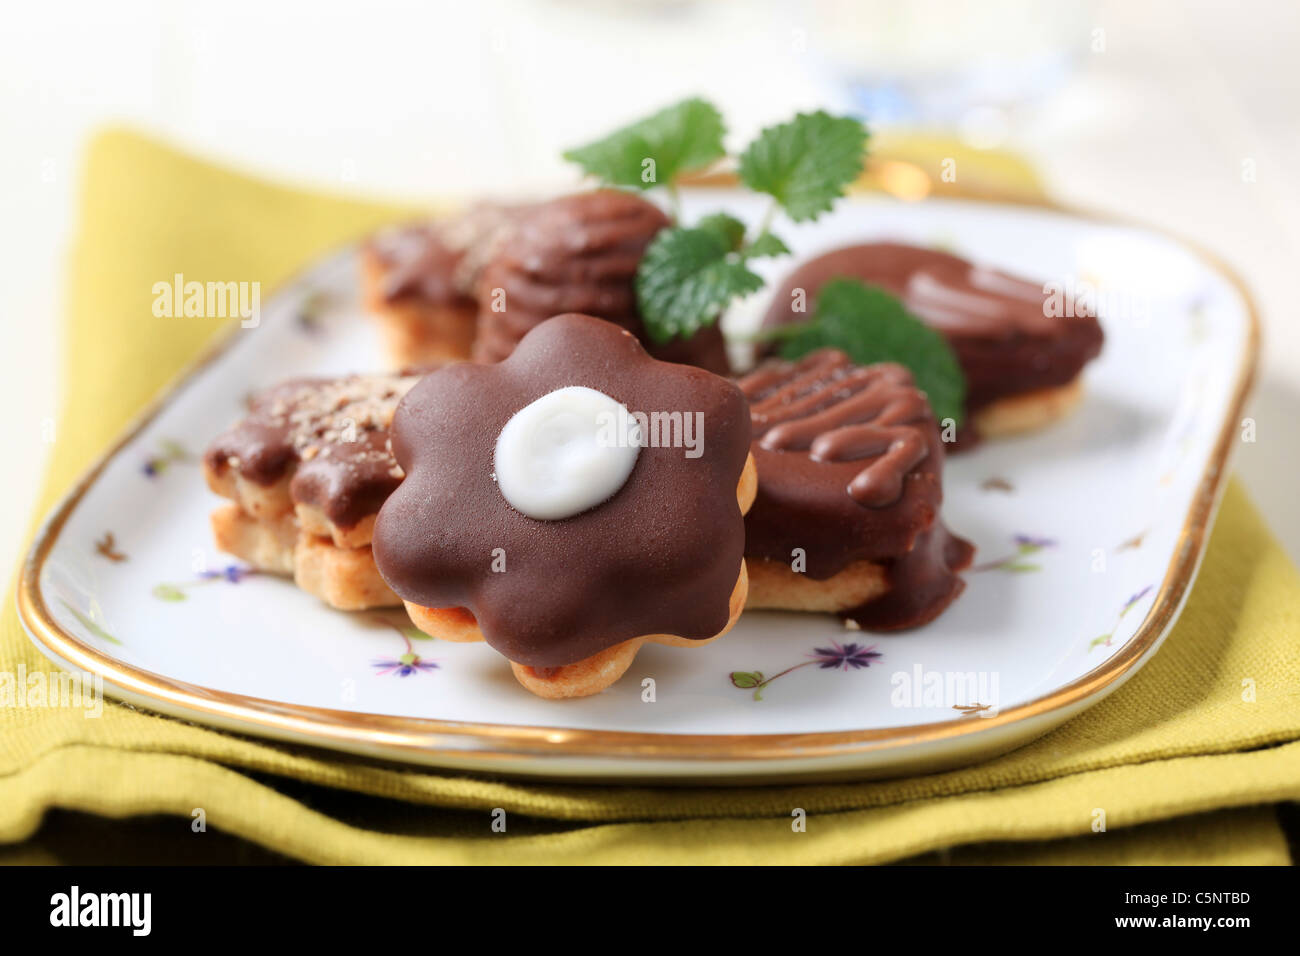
(1088, 537)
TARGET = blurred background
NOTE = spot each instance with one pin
(1181, 113)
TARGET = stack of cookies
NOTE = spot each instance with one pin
(306, 473)
(471, 286)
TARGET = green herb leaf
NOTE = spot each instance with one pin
(168, 592)
(732, 233)
(680, 138)
(685, 279)
(746, 680)
(873, 326)
(805, 164)
(728, 228)
(765, 246)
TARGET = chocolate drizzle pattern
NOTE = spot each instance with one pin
(849, 469)
(330, 435)
(1006, 338)
(838, 411)
(661, 556)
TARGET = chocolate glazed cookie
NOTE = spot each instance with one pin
(472, 285)
(846, 518)
(1021, 362)
(564, 550)
(306, 472)
(419, 282)
(578, 253)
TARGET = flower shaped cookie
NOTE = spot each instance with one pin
(569, 504)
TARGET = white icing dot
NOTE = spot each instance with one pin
(566, 452)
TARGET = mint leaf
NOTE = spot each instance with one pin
(688, 276)
(685, 279)
(682, 137)
(873, 326)
(806, 163)
(765, 246)
(728, 228)
(732, 233)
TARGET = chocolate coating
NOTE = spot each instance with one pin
(850, 469)
(330, 434)
(439, 262)
(578, 253)
(661, 556)
(997, 324)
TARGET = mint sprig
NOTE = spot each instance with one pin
(656, 150)
(871, 325)
(805, 164)
(689, 275)
(686, 277)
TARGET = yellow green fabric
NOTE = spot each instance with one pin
(1184, 768)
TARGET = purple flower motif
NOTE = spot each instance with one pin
(1105, 639)
(171, 452)
(231, 572)
(404, 666)
(1026, 544)
(1134, 599)
(848, 656)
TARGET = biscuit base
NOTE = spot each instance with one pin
(416, 332)
(1027, 411)
(344, 578)
(774, 586)
(265, 544)
(582, 678)
(314, 522)
(262, 502)
(273, 502)
(747, 487)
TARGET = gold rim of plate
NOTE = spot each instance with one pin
(468, 743)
